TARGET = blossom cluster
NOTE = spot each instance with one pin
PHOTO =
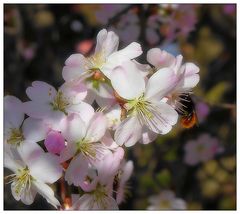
(78, 132)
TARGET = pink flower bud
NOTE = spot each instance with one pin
(54, 142)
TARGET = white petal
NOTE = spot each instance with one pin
(12, 160)
(28, 196)
(85, 110)
(190, 78)
(128, 132)
(97, 127)
(16, 196)
(160, 58)
(127, 171)
(101, 37)
(85, 202)
(45, 191)
(73, 128)
(161, 84)
(46, 168)
(75, 67)
(107, 42)
(34, 130)
(74, 92)
(107, 140)
(130, 52)
(37, 110)
(107, 167)
(29, 151)
(77, 170)
(143, 68)
(148, 136)
(164, 117)
(120, 57)
(128, 81)
(41, 92)
(13, 112)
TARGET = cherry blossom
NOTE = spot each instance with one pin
(202, 149)
(16, 129)
(51, 105)
(187, 74)
(143, 102)
(95, 70)
(166, 200)
(28, 178)
(98, 184)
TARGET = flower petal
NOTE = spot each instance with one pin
(107, 42)
(77, 170)
(83, 109)
(120, 57)
(41, 92)
(28, 196)
(54, 142)
(161, 84)
(148, 136)
(160, 58)
(34, 130)
(190, 78)
(13, 112)
(73, 128)
(68, 152)
(74, 67)
(97, 127)
(46, 168)
(128, 81)
(128, 132)
(74, 92)
(29, 151)
(45, 191)
(130, 52)
(36, 110)
(163, 118)
(11, 158)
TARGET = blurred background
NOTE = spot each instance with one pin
(197, 164)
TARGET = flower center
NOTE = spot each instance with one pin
(100, 196)
(86, 148)
(16, 137)
(60, 102)
(96, 61)
(140, 106)
(21, 180)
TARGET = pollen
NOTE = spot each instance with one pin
(96, 61)
(21, 180)
(60, 102)
(16, 137)
(87, 149)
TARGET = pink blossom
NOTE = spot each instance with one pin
(143, 102)
(98, 184)
(54, 142)
(201, 150)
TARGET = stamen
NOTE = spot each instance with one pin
(22, 180)
(16, 137)
(60, 102)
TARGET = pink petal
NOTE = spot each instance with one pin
(54, 142)
(160, 58)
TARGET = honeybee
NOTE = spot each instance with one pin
(187, 111)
